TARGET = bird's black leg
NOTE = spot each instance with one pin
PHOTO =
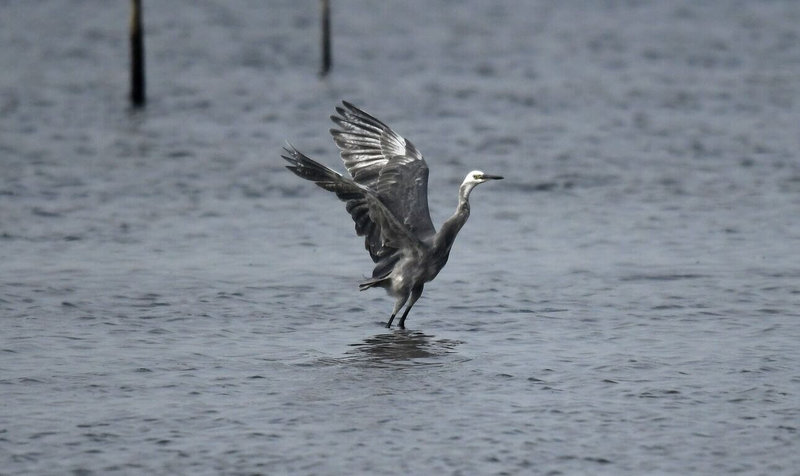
(402, 323)
(397, 306)
(415, 294)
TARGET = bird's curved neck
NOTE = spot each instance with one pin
(450, 228)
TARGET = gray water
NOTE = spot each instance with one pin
(626, 302)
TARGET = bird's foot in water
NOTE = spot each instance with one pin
(400, 325)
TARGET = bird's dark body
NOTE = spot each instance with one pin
(387, 199)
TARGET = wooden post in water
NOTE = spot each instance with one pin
(137, 55)
(326, 37)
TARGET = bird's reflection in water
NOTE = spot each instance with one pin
(401, 348)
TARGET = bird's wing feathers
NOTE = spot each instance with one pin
(394, 234)
(367, 144)
(383, 161)
(382, 232)
(403, 188)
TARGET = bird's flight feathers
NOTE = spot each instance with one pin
(383, 161)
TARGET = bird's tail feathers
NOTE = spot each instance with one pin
(372, 282)
(381, 280)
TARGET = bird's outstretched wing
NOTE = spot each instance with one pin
(383, 233)
(383, 161)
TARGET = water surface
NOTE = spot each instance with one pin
(625, 302)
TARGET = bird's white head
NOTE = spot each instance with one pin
(476, 176)
(471, 180)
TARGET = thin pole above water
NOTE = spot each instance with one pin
(137, 55)
(326, 37)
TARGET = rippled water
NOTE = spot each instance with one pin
(625, 302)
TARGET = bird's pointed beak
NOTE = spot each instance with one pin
(492, 177)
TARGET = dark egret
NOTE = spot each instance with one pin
(387, 197)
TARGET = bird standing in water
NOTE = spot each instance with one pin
(387, 197)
